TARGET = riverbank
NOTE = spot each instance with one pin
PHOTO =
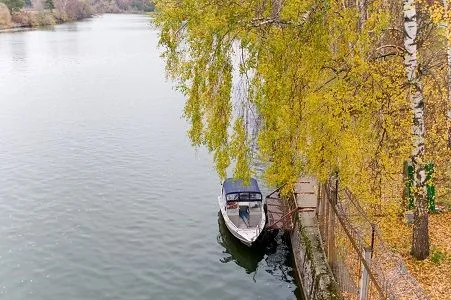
(297, 214)
(310, 260)
(28, 19)
(31, 21)
(13, 19)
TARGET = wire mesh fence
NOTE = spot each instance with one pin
(363, 265)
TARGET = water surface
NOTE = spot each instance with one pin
(101, 194)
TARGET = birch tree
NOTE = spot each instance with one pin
(448, 48)
(328, 85)
(420, 242)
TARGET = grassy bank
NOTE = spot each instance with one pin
(61, 11)
(32, 18)
(26, 19)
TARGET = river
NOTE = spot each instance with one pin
(101, 194)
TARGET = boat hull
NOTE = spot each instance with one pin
(246, 236)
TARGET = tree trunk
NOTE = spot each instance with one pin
(420, 243)
(363, 13)
(276, 8)
(448, 81)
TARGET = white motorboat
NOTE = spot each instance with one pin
(242, 208)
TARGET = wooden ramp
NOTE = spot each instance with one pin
(281, 211)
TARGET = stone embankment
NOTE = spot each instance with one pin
(317, 280)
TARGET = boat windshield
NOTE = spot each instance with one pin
(244, 197)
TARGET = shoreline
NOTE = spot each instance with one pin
(19, 27)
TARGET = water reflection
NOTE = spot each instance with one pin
(70, 27)
(273, 248)
(83, 145)
(18, 50)
(234, 250)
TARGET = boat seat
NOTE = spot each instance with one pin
(244, 214)
(255, 219)
(238, 221)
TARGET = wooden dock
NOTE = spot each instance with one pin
(277, 213)
(282, 210)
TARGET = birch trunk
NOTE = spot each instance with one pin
(420, 242)
(448, 81)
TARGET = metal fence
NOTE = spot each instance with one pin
(363, 265)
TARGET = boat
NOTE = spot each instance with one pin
(242, 208)
(236, 252)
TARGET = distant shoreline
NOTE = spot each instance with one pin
(17, 27)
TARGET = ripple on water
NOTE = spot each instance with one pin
(101, 194)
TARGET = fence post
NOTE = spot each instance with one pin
(333, 202)
(363, 295)
(323, 208)
(326, 223)
(331, 247)
(373, 231)
(318, 199)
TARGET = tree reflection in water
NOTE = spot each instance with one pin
(273, 247)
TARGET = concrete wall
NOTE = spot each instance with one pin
(311, 264)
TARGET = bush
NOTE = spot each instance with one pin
(33, 18)
(48, 4)
(45, 18)
(5, 16)
(21, 18)
(60, 16)
(14, 5)
(437, 256)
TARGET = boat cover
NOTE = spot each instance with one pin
(232, 186)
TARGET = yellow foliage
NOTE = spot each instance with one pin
(5, 16)
(329, 96)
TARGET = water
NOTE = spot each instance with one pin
(101, 194)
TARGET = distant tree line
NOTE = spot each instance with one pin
(48, 12)
(78, 9)
(14, 5)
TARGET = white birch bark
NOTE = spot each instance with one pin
(420, 243)
(448, 81)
